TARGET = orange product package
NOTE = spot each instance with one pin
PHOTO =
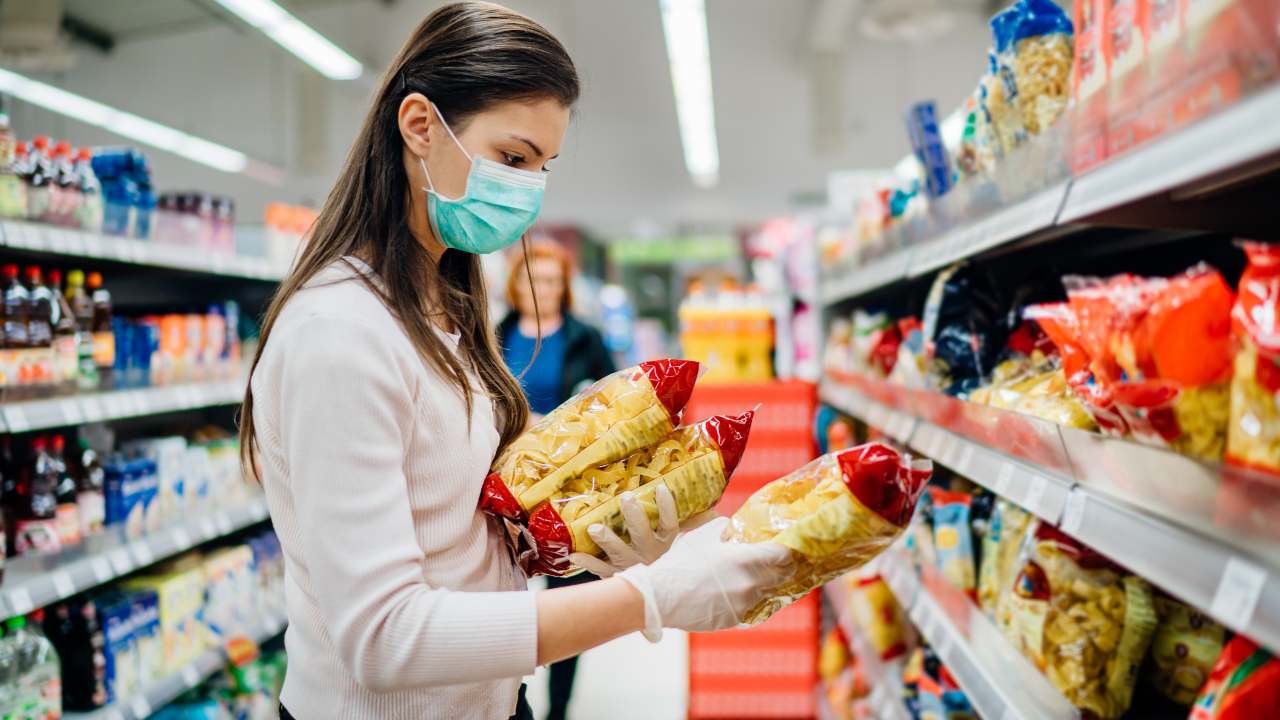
(694, 462)
(617, 415)
(1253, 433)
(1244, 684)
(835, 514)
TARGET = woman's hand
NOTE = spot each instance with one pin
(646, 545)
(705, 583)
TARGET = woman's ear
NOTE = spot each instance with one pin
(415, 118)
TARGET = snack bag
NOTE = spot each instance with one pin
(1253, 432)
(835, 514)
(834, 657)
(877, 613)
(953, 539)
(615, 416)
(694, 462)
(1186, 645)
(1042, 62)
(965, 328)
(1000, 549)
(1083, 621)
(1245, 684)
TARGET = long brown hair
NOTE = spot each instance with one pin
(465, 57)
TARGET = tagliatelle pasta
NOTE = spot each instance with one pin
(617, 415)
(693, 462)
(835, 514)
(1253, 431)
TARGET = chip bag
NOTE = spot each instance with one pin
(1000, 549)
(694, 462)
(1253, 432)
(1085, 622)
(877, 612)
(1185, 647)
(1245, 684)
(835, 514)
(954, 540)
(615, 416)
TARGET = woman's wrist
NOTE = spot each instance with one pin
(577, 618)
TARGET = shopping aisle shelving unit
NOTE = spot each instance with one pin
(159, 694)
(45, 414)
(884, 678)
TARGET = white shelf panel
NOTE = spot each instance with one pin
(28, 415)
(859, 280)
(53, 240)
(165, 691)
(36, 581)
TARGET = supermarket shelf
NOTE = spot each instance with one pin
(53, 240)
(36, 581)
(1237, 135)
(165, 691)
(998, 680)
(861, 279)
(884, 678)
(1205, 533)
(31, 415)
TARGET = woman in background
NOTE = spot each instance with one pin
(572, 355)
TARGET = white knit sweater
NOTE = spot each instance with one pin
(398, 589)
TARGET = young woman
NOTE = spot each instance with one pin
(553, 354)
(378, 401)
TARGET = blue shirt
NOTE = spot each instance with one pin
(543, 382)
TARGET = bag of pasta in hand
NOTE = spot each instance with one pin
(835, 514)
(1253, 433)
(1084, 621)
(615, 416)
(693, 464)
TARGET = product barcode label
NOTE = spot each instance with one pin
(1035, 492)
(207, 528)
(70, 411)
(62, 584)
(223, 521)
(1238, 592)
(1073, 513)
(1001, 485)
(966, 458)
(15, 418)
(20, 601)
(92, 409)
(101, 569)
(121, 561)
(181, 540)
(142, 552)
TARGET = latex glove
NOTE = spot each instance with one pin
(647, 544)
(706, 583)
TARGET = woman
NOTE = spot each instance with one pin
(553, 354)
(378, 400)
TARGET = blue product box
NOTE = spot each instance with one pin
(132, 495)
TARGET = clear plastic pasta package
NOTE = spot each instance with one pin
(1184, 649)
(617, 415)
(1084, 621)
(1034, 52)
(835, 514)
(694, 462)
(1253, 431)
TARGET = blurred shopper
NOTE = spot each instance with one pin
(378, 401)
(570, 356)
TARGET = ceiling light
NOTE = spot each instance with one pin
(123, 123)
(297, 37)
(684, 24)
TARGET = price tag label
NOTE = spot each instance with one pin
(944, 644)
(92, 409)
(1005, 476)
(20, 602)
(58, 241)
(92, 246)
(1238, 592)
(223, 521)
(70, 411)
(15, 418)
(75, 243)
(207, 528)
(190, 677)
(140, 707)
(62, 584)
(181, 540)
(138, 403)
(198, 396)
(121, 561)
(101, 569)
(1073, 513)
(1036, 488)
(965, 461)
(142, 553)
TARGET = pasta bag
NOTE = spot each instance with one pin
(835, 514)
(1253, 432)
(615, 416)
(694, 462)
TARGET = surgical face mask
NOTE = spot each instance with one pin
(498, 206)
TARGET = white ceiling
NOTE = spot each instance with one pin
(622, 165)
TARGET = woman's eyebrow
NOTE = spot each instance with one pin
(536, 150)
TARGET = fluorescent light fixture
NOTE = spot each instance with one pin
(297, 37)
(123, 123)
(684, 24)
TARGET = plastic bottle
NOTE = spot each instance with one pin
(16, 312)
(76, 634)
(13, 188)
(37, 527)
(40, 332)
(65, 359)
(90, 192)
(82, 309)
(46, 670)
(40, 180)
(9, 676)
(68, 513)
(25, 701)
(104, 340)
(8, 494)
(89, 491)
(68, 183)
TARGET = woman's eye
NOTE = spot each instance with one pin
(512, 159)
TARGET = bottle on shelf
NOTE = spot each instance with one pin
(104, 340)
(90, 192)
(68, 513)
(69, 195)
(65, 358)
(76, 634)
(90, 490)
(9, 675)
(39, 682)
(40, 180)
(8, 496)
(37, 515)
(13, 189)
(82, 308)
(14, 358)
(40, 332)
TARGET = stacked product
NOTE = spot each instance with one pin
(247, 691)
(730, 332)
(197, 220)
(129, 199)
(286, 225)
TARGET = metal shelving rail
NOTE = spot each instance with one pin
(1233, 137)
(43, 414)
(53, 240)
(36, 581)
(166, 690)
(1205, 533)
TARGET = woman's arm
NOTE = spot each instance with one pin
(579, 617)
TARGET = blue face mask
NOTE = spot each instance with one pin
(499, 205)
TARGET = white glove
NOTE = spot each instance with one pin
(646, 545)
(705, 583)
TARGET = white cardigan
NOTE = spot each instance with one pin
(394, 581)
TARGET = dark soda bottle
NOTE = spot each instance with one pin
(37, 526)
(40, 332)
(17, 310)
(82, 309)
(68, 513)
(40, 180)
(104, 339)
(65, 358)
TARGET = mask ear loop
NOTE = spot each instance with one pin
(431, 185)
